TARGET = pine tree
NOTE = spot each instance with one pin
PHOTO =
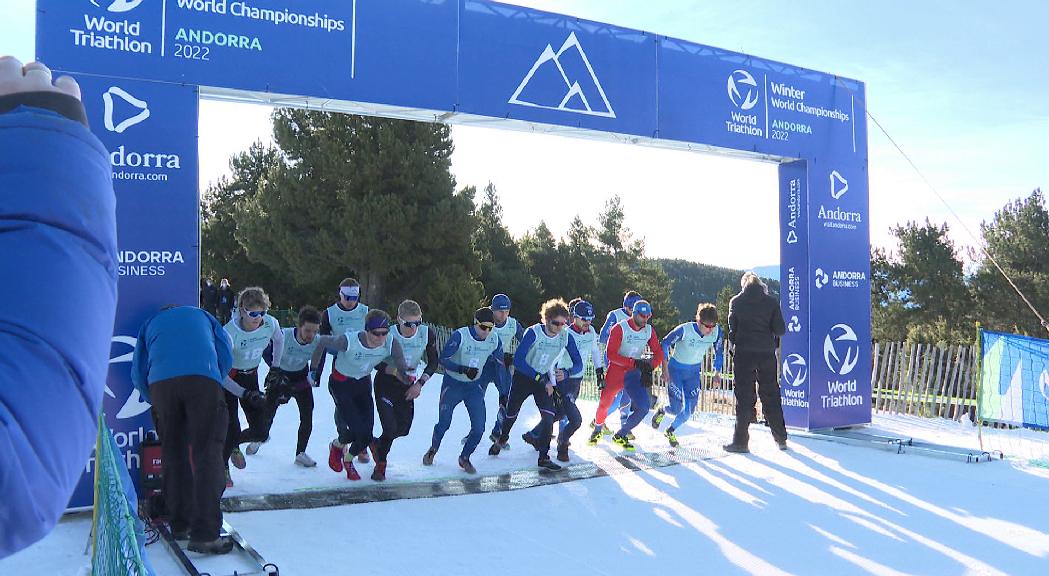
(1018, 238)
(222, 252)
(366, 197)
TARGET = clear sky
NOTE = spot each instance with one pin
(960, 85)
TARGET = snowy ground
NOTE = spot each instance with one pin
(821, 508)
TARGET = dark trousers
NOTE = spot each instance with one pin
(356, 411)
(454, 392)
(255, 416)
(640, 400)
(299, 389)
(191, 421)
(258, 430)
(569, 414)
(498, 374)
(521, 389)
(759, 367)
(395, 412)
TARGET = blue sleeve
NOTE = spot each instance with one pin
(496, 357)
(573, 353)
(521, 356)
(609, 323)
(267, 354)
(223, 347)
(140, 364)
(671, 339)
(520, 331)
(450, 348)
(58, 224)
(719, 350)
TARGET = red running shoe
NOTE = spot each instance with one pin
(351, 472)
(334, 457)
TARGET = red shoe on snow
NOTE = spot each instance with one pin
(379, 474)
(334, 457)
(351, 472)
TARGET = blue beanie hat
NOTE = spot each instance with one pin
(584, 310)
(642, 308)
(500, 302)
(629, 301)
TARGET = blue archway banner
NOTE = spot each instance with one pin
(142, 63)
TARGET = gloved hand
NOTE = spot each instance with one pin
(508, 360)
(314, 378)
(543, 378)
(643, 364)
(469, 371)
(600, 378)
(254, 398)
(276, 379)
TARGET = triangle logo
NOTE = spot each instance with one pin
(110, 110)
(792, 238)
(838, 185)
(564, 80)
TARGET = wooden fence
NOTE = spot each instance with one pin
(924, 380)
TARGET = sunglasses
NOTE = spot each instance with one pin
(486, 326)
(558, 323)
(709, 325)
(255, 313)
(346, 296)
(412, 324)
(378, 332)
(586, 318)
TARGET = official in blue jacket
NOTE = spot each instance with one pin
(181, 358)
(58, 259)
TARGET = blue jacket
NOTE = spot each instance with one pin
(58, 259)
(180, 341)
(452, 345)
(522, 366)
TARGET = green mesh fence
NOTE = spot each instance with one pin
(118, 540)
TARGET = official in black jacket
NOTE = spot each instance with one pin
(755, 324)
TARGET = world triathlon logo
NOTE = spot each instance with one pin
(795, 370)
(117, 5)
(742, 89)
(841, 349)
(134, 405)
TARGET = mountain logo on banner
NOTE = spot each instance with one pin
(795, 370)
(117, 5)
(792, 237)
(822, 279)
(134, 404)
(838, 185)
(564, 80)
(841, 349)
(111, 110)
(742, 89)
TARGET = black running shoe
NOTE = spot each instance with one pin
(657, 418)
(548, 464)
